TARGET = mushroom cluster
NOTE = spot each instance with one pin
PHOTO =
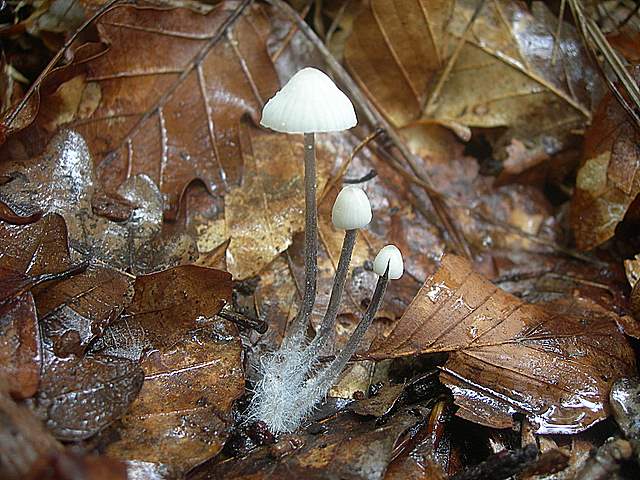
(291, 381)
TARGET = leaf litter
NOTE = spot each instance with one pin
(125, 313)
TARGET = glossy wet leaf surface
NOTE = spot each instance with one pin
(554, 363)
(192, 367)
(138, 195)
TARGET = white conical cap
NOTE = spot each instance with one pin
(309, 102)
(389, 255)
(352, 209)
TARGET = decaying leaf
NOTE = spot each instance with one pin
(79, 397)
(62, 181)
(421, 61)
(73, 311)
(192, 365)
(609, 178)
(20, 355)
(348, 448)
(553, 363)
(23, 440)
(263, 213)
(173, 115)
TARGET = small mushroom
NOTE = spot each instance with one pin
(308, 103)
(351, 209)
(390, 257)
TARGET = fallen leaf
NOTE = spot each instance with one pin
(174, 114)
(264, 212)
(553, 363)
(20, 355)
(348, 448)
(23, 439)
(62, 181)
(192, 365)
(72, 466)
(73, 311)
(78, 397)
(422, 62)
(609, 178)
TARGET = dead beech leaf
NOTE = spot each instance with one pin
(553, 363)
(172, 114)
(72, 311)
(20, 355)
(192, 365)
(349, 448)
(424, 61)
(264, 212)
(609, 178)
(78, 397)
(24, 441)
(62, 181)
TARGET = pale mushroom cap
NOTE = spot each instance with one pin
(309, 102)
(389, 255)
(351, 209)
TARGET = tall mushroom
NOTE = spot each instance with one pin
(309, 103)
(291, 380)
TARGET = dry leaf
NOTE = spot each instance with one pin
(609, 178)
(555, 364)
(192, 365)
(424, 61)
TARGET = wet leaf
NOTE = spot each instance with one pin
(23, 439)
(20, 356)
(609, 177)
(173, 115)
(348, 448)
(70, 466)
(554, 363)
(62, 181)
(422, 61)
(264, 212)
(78, 397)
(192, 365)
(73, 311)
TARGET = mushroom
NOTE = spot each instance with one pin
(291, 380)
(351, 211)
(309, 103)
(390, 257)
(325, 378)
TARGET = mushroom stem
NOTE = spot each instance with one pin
(299, 326)
(331, 373)
(329, 319)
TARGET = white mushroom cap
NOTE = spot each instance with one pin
(389, 255)
(309, 102)
(352, 209)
